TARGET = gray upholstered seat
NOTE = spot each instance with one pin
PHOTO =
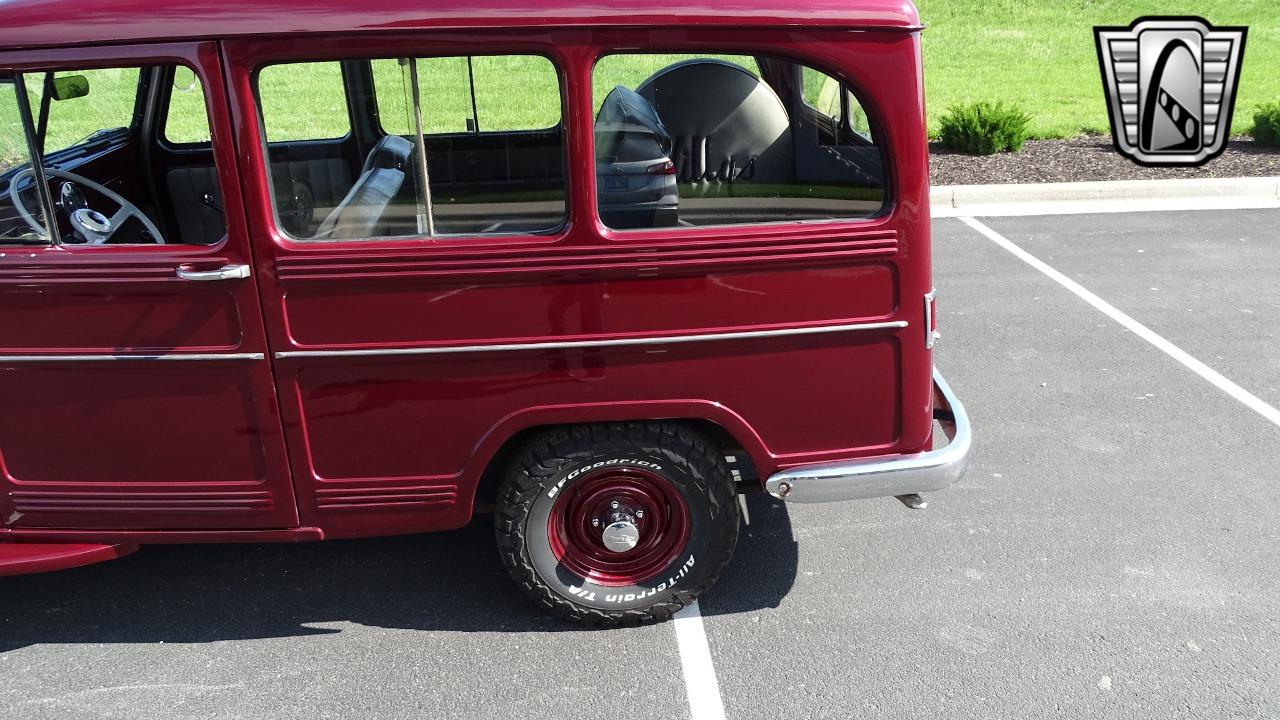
(360, 212)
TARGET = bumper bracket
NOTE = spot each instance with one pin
(893, 476)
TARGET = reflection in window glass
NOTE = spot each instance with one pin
(494, 154)
(717, 140)
(631, 70)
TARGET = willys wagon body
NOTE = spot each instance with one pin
(294, 271)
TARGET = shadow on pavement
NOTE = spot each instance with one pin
(450, 581)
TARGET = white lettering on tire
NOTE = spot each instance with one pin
(632, 597)
(597, 465)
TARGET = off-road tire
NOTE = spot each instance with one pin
(685, 458)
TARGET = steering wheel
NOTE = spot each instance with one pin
(91, 226)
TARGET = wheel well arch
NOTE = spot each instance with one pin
(741, 442)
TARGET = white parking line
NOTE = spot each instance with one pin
(1254, 402)
(699, 673)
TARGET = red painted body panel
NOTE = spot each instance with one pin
(24, 559)
(136, 444)
(37, 23)
(405, 313)
(389, 444)
(404, 433)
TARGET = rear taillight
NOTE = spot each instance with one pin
(662, 168)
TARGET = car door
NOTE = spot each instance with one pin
(137, 390)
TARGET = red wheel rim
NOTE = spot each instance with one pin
(662, 520)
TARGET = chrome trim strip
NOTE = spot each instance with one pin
(618, 342)
(883, 476)
(124, 357)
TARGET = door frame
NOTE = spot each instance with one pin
(119, 268)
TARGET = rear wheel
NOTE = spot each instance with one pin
(618, 523)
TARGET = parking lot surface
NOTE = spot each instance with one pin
(1112, 553)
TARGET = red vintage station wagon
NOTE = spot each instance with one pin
(295, 271)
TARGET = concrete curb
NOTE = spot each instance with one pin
(1104, 197)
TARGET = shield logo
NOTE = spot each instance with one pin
(1171, 87)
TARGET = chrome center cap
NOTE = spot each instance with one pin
(621, 536)
(91, 220)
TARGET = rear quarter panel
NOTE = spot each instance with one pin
(395, 443)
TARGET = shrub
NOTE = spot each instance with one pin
(984, 128)
(1266, 124)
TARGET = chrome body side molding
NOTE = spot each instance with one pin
(891, 476)
(127, 357)
(616, 342)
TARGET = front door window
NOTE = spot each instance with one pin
(79, 134)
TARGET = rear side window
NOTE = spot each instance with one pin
(482, 93)
(303, 101)
(833, 103)
(685, 140)
(472, 146)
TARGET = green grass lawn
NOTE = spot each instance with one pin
(1038, 54)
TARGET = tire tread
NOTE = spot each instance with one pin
(542, 458)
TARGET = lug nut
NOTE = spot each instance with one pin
(783, 489)
(614, 504)
(639, 514)
(595, 522)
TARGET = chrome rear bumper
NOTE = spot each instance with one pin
(891, 476)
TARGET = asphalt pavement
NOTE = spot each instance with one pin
(1112, 553)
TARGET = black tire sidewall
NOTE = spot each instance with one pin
(686, 572)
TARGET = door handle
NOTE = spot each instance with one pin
(931, 334)
(226, 272)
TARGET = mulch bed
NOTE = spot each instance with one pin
(1089, 157)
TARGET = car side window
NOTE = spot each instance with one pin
(835, 103)
(77, 131)
(13, 142)
(462, 151)
(483, 93)
(303, 101)
(725, 140)
(186, 119)
(107, 106)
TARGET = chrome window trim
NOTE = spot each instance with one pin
(125, 357)
(616, 342)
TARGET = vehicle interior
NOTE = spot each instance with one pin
(127, 157)
(114, 177)
(361, 177)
